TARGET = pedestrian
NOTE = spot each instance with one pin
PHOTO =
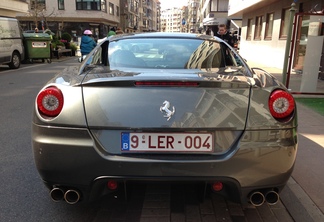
(87, 43)
(111, 33)
(225, 35)
(36, 30)
(209, 32)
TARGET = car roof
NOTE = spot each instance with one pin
(162, 35)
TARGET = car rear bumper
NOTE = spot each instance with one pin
(69, 157)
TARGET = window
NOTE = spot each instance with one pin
(249, 29)
(219, 5)
(269, 26)
(284, 23)
(37, 4)
(117, 10)
(103, 6)
(111, 8)
(258, 27)
(90, 4)
(60, 4)
(194, 4)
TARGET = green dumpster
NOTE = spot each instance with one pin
(37, 46)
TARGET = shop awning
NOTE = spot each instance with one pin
(214, 21)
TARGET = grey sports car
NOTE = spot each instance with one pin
(186, 108)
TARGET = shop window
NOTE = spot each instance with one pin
(269, 26)
(258, 27)
(284, 23)
(249, 29)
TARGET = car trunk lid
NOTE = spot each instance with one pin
(176, 104)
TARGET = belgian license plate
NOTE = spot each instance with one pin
(167, 142)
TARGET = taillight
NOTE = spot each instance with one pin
(281, 104)
(50, 102)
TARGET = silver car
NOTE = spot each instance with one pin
(186, 108)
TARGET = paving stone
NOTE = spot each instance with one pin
(150, 212)
(206, 207)
(192, 213)
(154, 219)
(208, 218)
(252, 215)
(178, 217)
(265, 213)
(235, 209)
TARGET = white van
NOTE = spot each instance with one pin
(11, 43)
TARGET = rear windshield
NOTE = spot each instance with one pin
(166, 53)
(170, 53)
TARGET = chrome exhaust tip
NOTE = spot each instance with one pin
(72, 196)
(57, 194)
(272, 197)
(257, 198)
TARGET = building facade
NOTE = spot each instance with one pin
(215, 12)
(193, 23)
(72, 16)
(99, 16)
(10, 8)
(265, 27)
(184, 19)
(171, 20)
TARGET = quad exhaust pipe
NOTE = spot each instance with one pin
(57, 194)
(257, 198)
(272, 197)
(70, 196)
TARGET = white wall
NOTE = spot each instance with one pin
(268, 53)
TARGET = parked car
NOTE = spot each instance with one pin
(189, 110)
(11, 43)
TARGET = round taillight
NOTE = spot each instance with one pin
(50, 102)
(281, 104)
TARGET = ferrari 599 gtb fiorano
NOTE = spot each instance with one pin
(184, 108)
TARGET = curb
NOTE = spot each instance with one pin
(299, 204)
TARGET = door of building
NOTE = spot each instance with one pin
(307, 52)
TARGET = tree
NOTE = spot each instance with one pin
(39, 13)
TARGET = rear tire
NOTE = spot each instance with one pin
(15, 61)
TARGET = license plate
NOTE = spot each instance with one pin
(167, 142)
(39, 44)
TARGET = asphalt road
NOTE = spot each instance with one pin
(23, 196)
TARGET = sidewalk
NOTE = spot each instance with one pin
(294, 81)
(304, 194)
